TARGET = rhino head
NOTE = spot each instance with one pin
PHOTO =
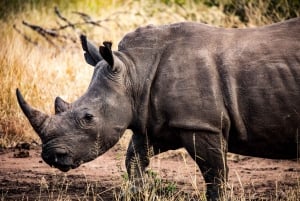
(81, 131)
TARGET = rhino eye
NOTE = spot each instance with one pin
(88, 117)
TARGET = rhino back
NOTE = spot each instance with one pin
(262, 90)
(245, 82)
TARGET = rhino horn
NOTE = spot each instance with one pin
(35, 117)
(60, 105)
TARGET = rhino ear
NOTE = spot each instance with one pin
(91, 54)
(107, 54)
(60, 105)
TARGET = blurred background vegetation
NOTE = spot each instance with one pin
(43, 70)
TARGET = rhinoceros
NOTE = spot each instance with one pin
(209, 90)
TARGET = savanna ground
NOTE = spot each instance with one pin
(44, 67)
(173, 176)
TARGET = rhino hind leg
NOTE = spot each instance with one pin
(209, 152)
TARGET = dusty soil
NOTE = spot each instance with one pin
(29, 178)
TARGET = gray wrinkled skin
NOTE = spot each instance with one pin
(209, 90)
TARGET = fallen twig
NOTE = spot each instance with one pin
(57, 12)
(43, 32)
(49, 34)
(28, 39)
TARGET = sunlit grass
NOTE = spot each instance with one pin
(41, 73)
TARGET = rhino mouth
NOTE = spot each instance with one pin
(64, 168)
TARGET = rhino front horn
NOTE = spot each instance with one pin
(35, 117)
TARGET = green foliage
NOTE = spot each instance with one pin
(178, 2)
(160, 186)
(125, 177)
(275, 9)
(154, 188)
(12, 7)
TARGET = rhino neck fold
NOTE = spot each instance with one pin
(142, 72)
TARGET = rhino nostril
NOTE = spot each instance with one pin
(55, 156)
(60, 152)
(59, 155)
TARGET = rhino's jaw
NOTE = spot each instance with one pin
(63, 168)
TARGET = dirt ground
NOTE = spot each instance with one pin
(27, 177)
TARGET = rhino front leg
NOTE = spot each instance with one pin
(209, 152)
(137, 159)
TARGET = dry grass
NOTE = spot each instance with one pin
(41, 73)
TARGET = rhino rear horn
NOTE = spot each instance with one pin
(60, 105)
(35, 117)
(91, 55)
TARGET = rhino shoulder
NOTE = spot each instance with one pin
(156, 36)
